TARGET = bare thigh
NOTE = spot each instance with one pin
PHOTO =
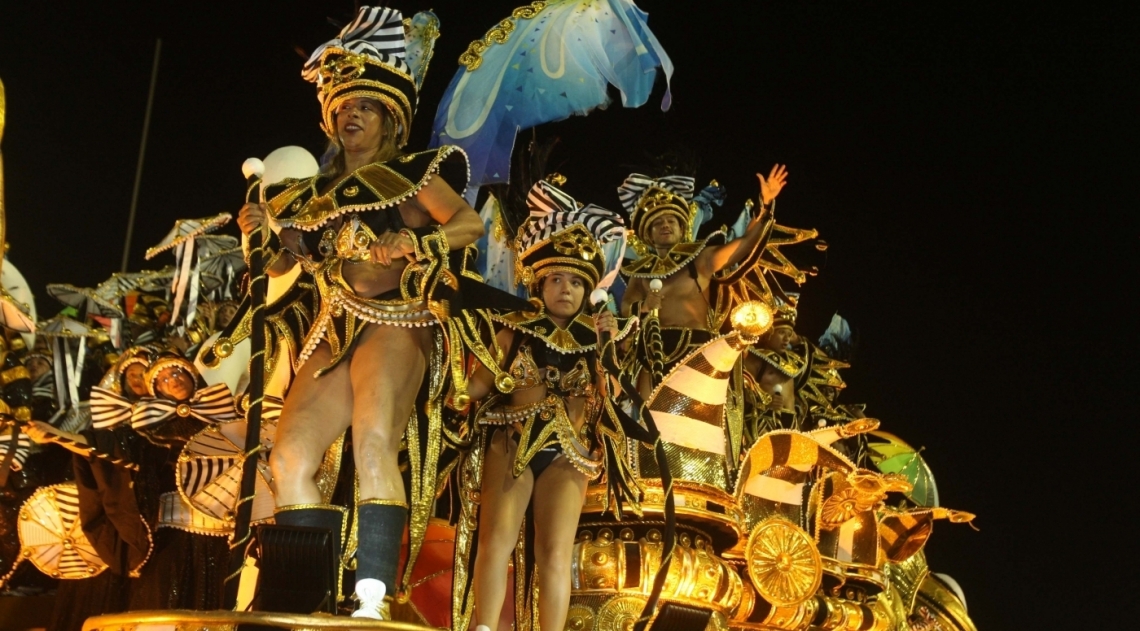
(316, 412)
(386, 371)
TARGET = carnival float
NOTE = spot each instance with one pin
(726, 482)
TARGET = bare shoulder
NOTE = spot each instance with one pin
(706, 262)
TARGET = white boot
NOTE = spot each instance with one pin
(370, 596)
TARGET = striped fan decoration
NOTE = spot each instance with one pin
(52, 536)
(109, 408)
(377, 32)
(210, 467)
(552, 210)
(631, 190)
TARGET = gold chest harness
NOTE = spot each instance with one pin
(575, 382)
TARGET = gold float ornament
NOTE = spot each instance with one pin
(752, 319)
(603, 565)
(783, 562)
(579, 618)
(620, 614)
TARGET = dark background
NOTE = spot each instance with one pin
(966, 166)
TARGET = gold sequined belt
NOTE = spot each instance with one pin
(511, 414)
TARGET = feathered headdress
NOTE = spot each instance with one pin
(379, 55)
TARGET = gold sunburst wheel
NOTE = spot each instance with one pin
(783, 562)
(619, 614)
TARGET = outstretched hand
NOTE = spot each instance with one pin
(771, 187)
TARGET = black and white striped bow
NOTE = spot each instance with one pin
(552, 210)
(212, 404)
(632, 188)
(109, 408)
(377, 32)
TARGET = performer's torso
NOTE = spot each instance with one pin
(540, 370)
(367, 278)
(684, 299)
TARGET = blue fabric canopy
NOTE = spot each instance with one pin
(546, 67)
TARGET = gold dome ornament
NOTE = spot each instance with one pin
(783, 562)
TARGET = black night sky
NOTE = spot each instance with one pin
(966, 166)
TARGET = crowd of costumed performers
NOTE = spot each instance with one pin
(380, 402)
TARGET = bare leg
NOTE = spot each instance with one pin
(503, 502)
(387, 369)
(316, 413)
(558, 497)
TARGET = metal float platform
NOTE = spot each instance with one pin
(187, 620)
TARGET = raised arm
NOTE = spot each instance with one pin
(717, 258)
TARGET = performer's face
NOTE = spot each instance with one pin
(665, 231)
(779, 338)
(562, 293)
(226, 313)
(174, 384)
(135, 376)
(37, 367)
(360, 124)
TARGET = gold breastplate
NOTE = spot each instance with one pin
(576, 382)
(349, 242)
(524, 371)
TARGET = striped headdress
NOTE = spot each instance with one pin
(370, 58)
(564, 236)
(646, 199)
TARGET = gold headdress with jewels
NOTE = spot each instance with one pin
(379, 55)
(168, 361)
(564, 236)
(646, 199)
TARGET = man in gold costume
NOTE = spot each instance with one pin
(663, 220)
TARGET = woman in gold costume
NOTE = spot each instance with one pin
(538, 431)
(374, 229)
